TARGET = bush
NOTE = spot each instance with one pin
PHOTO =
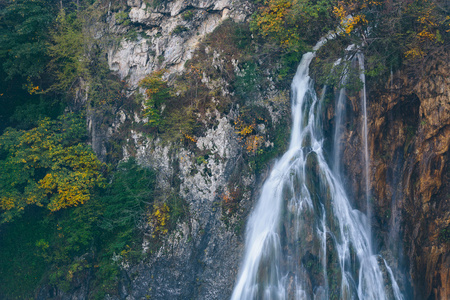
(188, 15)
(122, 18)
(158, 92)
(179, 29)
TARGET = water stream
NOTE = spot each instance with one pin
(362, 77)
(303, 239)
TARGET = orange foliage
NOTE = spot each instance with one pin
(349, 14)
(230, 199)
(246, 133)
(47, 166)
(190, 138)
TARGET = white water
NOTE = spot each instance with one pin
(339, 120)
(362, 77)
(303, 239)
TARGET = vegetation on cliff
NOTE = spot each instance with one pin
(64, 213)
(87, 216)
(48, 166)
(389, 33)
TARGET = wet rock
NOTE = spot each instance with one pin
(409, 147)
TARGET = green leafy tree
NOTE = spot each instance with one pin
(67, 250)
(127, 197)
(67, 50)
(49, 165)
(158, 92)
(123, 210)
(293, 24)
(24, 30)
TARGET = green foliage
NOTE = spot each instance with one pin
(127, 197)
(401, 32)
(131, 35)
(178, 209)
(47, 166)
(70, 61)
(180, 123)
(292, 24)
(124, 205)
(200, 160)
(105, 90)
(242, 37)
(28, 115)
(423, 26)
(20, 269)
(24, 30)
(49, 175)
(158, 92)
(67, 49)
(179, 29)
(353, 82)
(247, 81)
(156, 3)
(324, 68)
(24, 33)
(176, 121)
(66, 251)
(94, 237)
(188, 15)
(78, 62)
(122, 18)
(444, 235)
(289, 62)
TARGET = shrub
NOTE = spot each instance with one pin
(188, 15)
(179, 29)
(122, 18)
(158, 92)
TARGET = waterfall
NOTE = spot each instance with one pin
(339, 120)
(303, 239)
(362, 77)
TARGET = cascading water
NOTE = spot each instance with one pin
(339, 121)
(362, 77)
(303, 239)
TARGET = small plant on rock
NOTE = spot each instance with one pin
(158, 92)
(188, 15)
(179, 29)
(159, 219)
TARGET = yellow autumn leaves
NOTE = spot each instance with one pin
(252, 142)
(49, 165)
(159, 219)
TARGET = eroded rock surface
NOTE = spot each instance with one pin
(168, 34)
(409, 140)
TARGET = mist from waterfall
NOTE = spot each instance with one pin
(303, 239)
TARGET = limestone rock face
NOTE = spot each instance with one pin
(168, 34)
(200, 258)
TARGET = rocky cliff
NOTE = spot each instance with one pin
(409, 172)
(167, 33)
(410, 139)
(217, 171)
